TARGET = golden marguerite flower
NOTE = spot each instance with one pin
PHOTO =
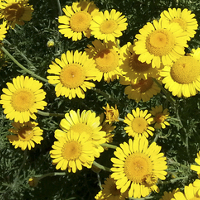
(107, 59)
(169, 195)
(108, 26)
(111, 113)
(132, 69)
(72, 75)
(183, 17)
(3, 31)
(191, 192)
(26, 135)
(15, 11)
(139, 123)
(183, 77)
(72, 151)
(22, 99)
(196, 167)
(143, 90)
(86, 122)
(110, 192)
(160, 43)
(77, 19)
(138, 167)
(159, 117)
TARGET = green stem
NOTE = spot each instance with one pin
(109, 146)
(21, 66)
(47, 114)
(59, 8)
(120, 119)
(101, 166)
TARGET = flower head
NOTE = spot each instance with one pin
(159, 117)
(15, 11)
(160, 43)
(184, 18)
(169, 195)
(26, 135)
(138, 167)
(33, 181)
(139, 123)
(72, 75)
(196, 167)
(77, 19)
(111, 113)
(22, 99)
(183, 77)
(108, 26)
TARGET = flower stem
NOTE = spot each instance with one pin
(109, 146)
(47, 114)
(101, 166)
(59, 8)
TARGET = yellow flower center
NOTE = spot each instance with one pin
(22, 100)
(108, 26)
(159, 118)
(80, 21)
(81, 127)
(137, 166)
(71, 150)
(72, 76)
(107, 60)
(185, 70)
(181, 22)
(25, 133)
(13, 12)
(160, 42)
(143, 85)
(139, 125)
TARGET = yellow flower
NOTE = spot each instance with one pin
(169, 195)
(86, 122)
(159, 117)
(25, 135)
(50, 43)
(111, 113)
(139, 123)
(160, 43)
(183, 77)
(108, 26)
(72, 151)
(77, 19)
(15, 11)
(196, 167)
(107, 59)
(110, 192)
(72, 75)
(143, 90)
(138, 167)
(22, 99)
(184, 18)
(3, 31)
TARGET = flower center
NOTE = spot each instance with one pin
(138, 66)
(160, 42)
(150, 179)
(143, 85)
(160, 118)
(181, 22)
(25, 133)
(108, 26)
(81, 127)
(71, 150)
(13, 12)
(185, 70)
(139, 125)
(80, 21)
(22, 100)
(72, 76)
(137, 166)
(107, 60)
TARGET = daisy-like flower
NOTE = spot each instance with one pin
(169, 195)
(22, 99)
(110, 192)
(159, 117)
(183, 77)
(72, 151)
(3, 31)
(26, 135)
(77, 19)
(138, 167)
(184, 18)
(132, 69)
(72, 75)
(196, 167)
(160, 43)
(111, 113)
(191, 192)
(108, 26)
(107, 59)
(86, 122)
(15, 11)
(139, 123)
(143, 90)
